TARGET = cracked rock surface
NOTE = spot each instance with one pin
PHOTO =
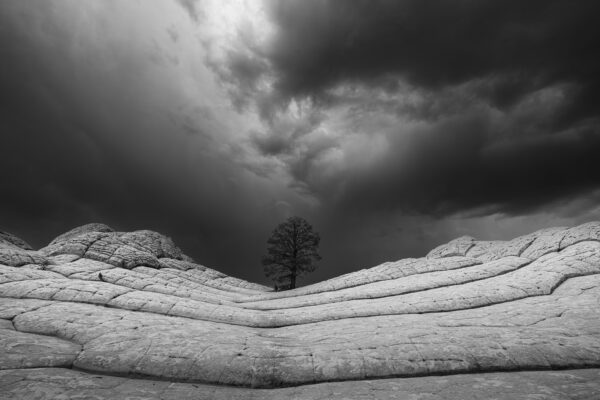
(131, 305)
(57, 383)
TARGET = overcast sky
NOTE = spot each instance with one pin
(392, 126)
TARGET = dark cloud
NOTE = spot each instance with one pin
(285, 133)
(455, 166)
(391, 125)
(241, 73)
(505, 94)
(519, 45)
(191, 7)
(89, 133)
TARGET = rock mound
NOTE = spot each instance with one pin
(81, 230)
(16, 252)
(8, 239)
(131, 303)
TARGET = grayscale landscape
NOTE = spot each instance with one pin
(300, 199)
(102, 314)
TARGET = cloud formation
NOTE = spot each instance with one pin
(517, 47)
(497, 96)
(391, 125)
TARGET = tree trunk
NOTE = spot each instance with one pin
(295, 258)
(293, 280)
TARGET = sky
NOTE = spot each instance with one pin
(391, 126)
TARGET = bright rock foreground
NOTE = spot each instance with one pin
(107, 314)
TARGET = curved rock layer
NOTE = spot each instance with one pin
(132, 304)
(56, 383)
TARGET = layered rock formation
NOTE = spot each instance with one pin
(131, 305)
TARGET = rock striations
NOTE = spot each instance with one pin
(110, 314)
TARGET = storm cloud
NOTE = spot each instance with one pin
(516, 47)
(391, 125)
(480, 104)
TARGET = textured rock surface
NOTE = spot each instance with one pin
(16, 252)
(8, 238)
(132, 304)
(56, 383)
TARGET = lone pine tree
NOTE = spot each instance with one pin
(291, 252)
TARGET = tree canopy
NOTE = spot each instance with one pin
(291, 252)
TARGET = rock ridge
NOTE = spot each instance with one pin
(133, 304)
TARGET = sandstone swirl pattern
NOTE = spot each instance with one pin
(131, 304)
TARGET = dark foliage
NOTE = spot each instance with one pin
(291, 252)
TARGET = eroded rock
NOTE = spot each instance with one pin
(133, 304)
(15, 252)
(58, 383)
(9, 238)
(25, 350)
